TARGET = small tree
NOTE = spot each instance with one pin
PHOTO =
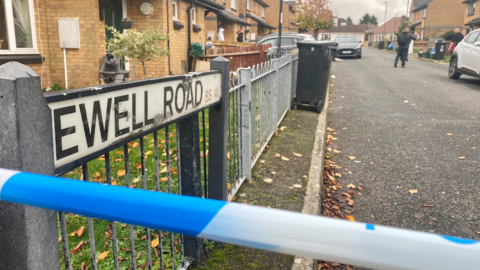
(401, 27)
(349, 19)
(448, 35)
(313, 14)
(143, 46)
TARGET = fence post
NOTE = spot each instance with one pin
(28, 235)
(245, 146)
(274, 95)
(190, 177)
(218, 121)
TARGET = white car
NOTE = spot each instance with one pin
(466, 57)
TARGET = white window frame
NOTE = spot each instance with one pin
(248, 4)
(424, 13)
(194, 15)
(12, 46)
(471, 9)
(233, 4)
(411, 17)
(175, 10)
(263, 12)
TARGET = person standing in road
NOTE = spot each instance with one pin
(457, 38)
(403, 40)
(240, 36)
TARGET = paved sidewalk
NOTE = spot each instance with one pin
(285, 191)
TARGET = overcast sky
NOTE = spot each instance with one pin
(356, 8)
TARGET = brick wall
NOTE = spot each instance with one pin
(442, 16)
(272, 15)
(42, 70)
(468, 18)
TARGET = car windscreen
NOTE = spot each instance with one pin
(346, 40)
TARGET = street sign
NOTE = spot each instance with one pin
(87, 121)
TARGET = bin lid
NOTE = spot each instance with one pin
(316, 43)
(441, 41)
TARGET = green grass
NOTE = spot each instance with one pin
(447, 59)
(97, 173)
(416, 50)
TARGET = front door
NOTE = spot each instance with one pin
(113, 16)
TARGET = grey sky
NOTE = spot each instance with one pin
(356, 8)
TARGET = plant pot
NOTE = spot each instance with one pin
(126, 24)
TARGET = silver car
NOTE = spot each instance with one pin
(348, 46)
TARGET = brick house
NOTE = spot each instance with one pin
(472, 15)
(342, 27)
(255, 11)
(387, 30)
(432, 18)
(273, 15)
(29, 34)
(367, 28)
(231, 19)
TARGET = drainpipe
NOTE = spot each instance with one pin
(189, 34)
(168, 40)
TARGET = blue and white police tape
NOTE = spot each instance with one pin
(328, 239)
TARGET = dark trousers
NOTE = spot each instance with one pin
(402, 53)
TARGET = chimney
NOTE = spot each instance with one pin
(335, 22)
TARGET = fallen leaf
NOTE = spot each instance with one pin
(449, 134)
(329, 149)
(278, 155)
(351, 192)
(297, 186)
(80, 231)
(373, 179)
(121, 173)
(228, 155)
(346, 195)
(284, 158)
(282, 128)
(428, 205)
(330, 129)
(148, 153)
(139, 166)
(350, 218)
(449, 141)
(359, 189)
(73, 234)
(350, 202)
(466, 229)
(268, 180)
(336, 151)
(461, 158)
(77, 248)
(386, 204)
(103, 255)
(297, 154)
(135, 144)
(413, 191)
(338, 175)
(120, 152)
(419, 126)
(135, 180)
(352, 186)
(344, 128)
(351, 157)
(419, 215)
(164, 170)
(163, 179)
(155, 242)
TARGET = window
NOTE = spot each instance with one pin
(234, 4)
(17, 27)
(175, 11)
(471, 9)
(272, 41)
(248, 4)
(326, 37)
(287, 42)
(411, 18)
(263, 12)
(343, 24)
(194, 16)
(424, 13)
(471, 38)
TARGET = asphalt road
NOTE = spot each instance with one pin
(398, 120)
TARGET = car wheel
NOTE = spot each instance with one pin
(453, 70)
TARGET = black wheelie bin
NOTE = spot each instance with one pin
(315, 60)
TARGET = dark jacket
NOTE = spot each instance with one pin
(240, 37)
(410, 37)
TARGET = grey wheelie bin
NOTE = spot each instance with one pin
(315, 60)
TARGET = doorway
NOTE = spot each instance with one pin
(113, 16)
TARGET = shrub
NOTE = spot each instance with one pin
(196, 50)
(448, 35)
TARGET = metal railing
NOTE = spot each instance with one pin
(260, 97)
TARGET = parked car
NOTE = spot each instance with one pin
(289, 40)
(466, 57)
(348, 46)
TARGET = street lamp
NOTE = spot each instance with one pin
(385, 24)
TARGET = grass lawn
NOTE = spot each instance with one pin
(77, 227)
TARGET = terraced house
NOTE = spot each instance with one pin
(255, 11)
(432, 18)
(273, 15)
(472, 15)
(230, 19)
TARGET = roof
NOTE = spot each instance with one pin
(230, 17)
(366, 27)
(475, 21)
(210, 5)
(420, 4)
(260, 21)
(348, 28)
(262, 3)
(391, 26)
(417, 23)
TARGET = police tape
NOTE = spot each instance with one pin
(287, 232)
